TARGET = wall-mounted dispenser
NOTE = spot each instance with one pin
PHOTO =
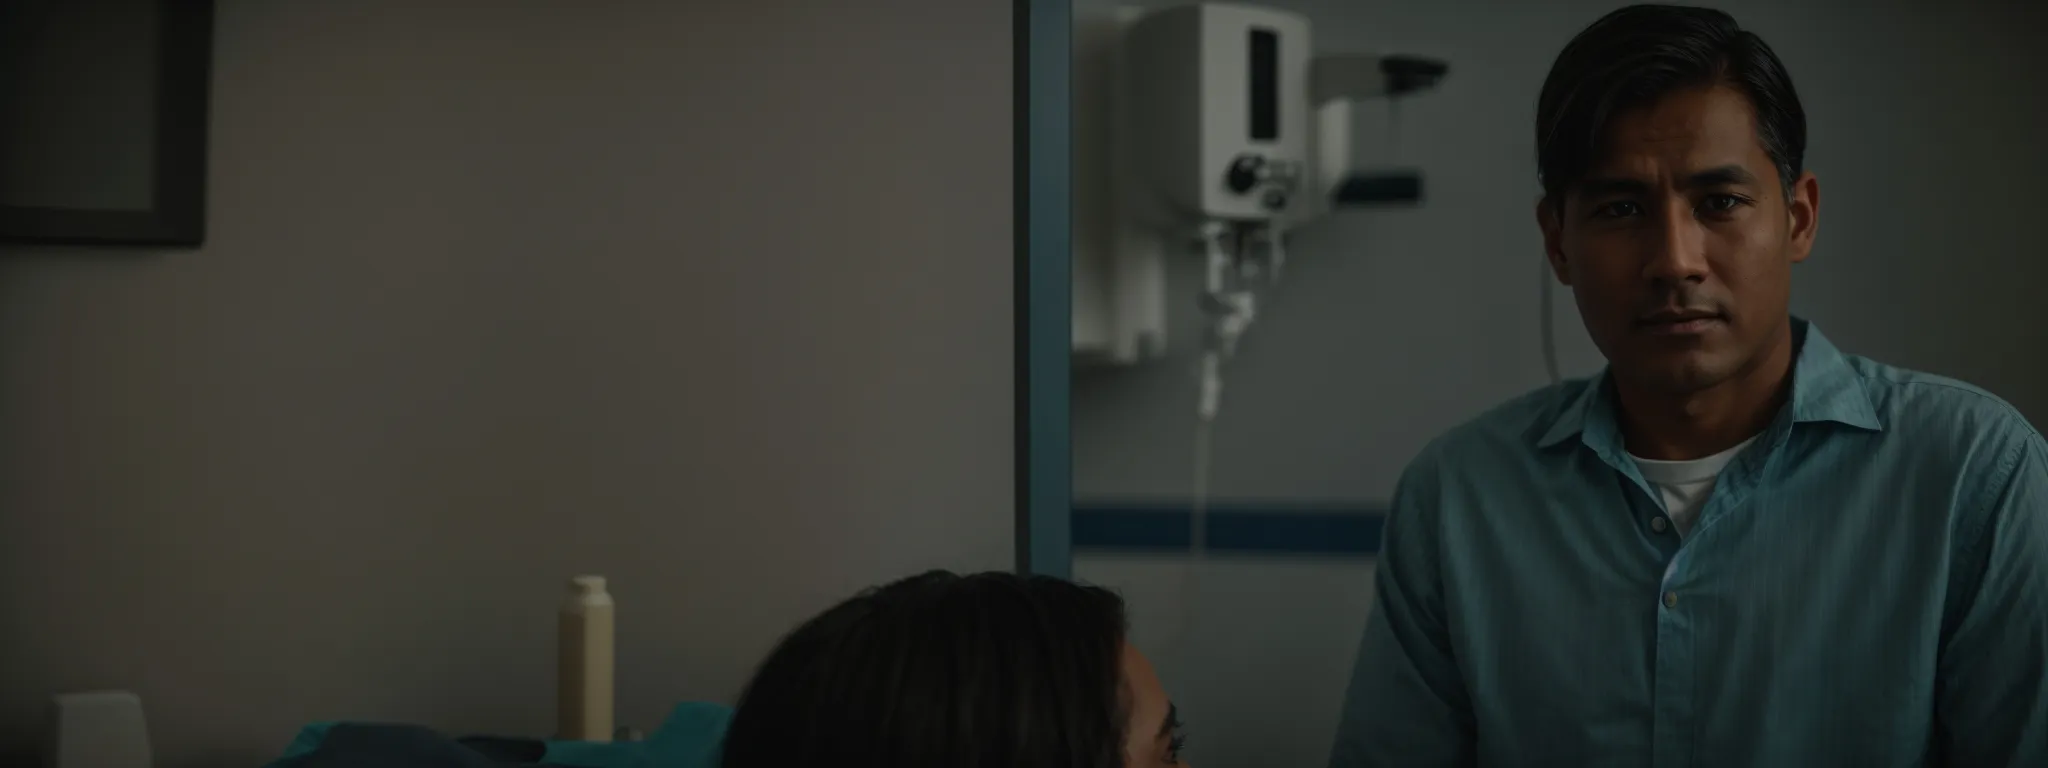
(1212, 130)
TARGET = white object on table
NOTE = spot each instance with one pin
(100, 729)
(584, 672)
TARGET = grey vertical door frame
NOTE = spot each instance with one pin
(1043, 144)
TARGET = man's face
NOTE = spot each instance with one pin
(1679, 243)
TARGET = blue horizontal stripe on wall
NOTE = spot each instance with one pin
(1263, 528)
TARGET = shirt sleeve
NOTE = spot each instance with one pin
(1407, 705)
(1992, 700)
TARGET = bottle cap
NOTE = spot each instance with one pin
(587, 585)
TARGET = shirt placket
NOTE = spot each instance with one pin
(1671, 677)
(1672, 683)
(1674, 724)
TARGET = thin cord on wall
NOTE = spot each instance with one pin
(1393, 128)
(1198, 544)
(1549, 334)
(1198, 512)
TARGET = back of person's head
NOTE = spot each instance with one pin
(943, 671)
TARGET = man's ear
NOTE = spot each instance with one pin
(1804, 209)
(1550, 218)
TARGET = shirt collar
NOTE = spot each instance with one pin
(1824, 388)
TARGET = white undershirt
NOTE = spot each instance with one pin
(1685, 485)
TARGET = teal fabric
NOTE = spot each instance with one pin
(1866, 586)
(305, 743)
(593, 754)
(689, 738)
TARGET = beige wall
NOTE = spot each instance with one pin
(713, 298)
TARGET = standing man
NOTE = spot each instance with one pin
(1737, 546)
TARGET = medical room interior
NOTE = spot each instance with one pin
(339, 337)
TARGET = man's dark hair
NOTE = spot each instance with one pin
(1634, 56)
(990, 670)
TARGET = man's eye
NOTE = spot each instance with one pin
(1722, 203)
(1619, 209)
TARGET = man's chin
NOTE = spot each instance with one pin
(1679, 374)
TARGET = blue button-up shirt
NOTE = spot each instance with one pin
(1867, 585)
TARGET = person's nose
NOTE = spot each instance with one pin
(1677, 249)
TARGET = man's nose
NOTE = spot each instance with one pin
(1677, 247)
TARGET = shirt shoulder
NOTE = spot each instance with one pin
(1950, 434)
(1452, 476)
(1506, 433)
(1923, 408)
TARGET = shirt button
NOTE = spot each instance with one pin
(1660, 524)
(1671, 599)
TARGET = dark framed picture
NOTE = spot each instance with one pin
(103, 121)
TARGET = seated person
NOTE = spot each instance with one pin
(949, 671)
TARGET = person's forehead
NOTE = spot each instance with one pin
(1690, 129)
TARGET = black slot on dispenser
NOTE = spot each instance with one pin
(1265, 84)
